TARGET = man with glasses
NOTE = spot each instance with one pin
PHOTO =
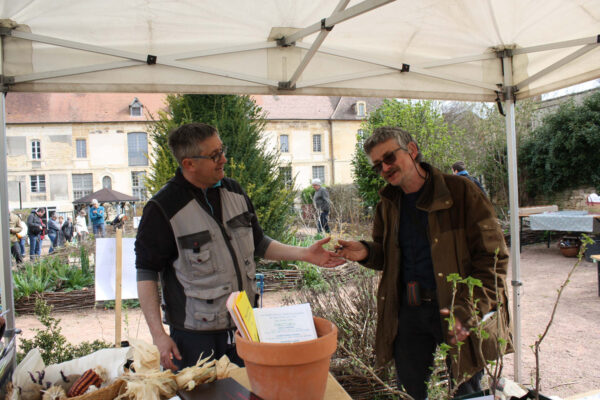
(429, 225)
(200, 235)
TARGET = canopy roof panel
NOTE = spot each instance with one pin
(442, 49)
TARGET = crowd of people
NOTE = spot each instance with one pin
(33, 230)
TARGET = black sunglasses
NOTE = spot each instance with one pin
(388, 158)
(215, 157)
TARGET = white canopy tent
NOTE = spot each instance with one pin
(473, 50)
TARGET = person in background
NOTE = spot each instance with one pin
(35, 229)
(67, 230)
(459, 168)
(322, 203)
(22, 236)
(119, 221)
(97, 215)
(53, 232)
(15, 228)
(199, 236)
(427, 226)
(81, 226)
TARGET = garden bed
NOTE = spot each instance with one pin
(290, 279)
(61, 301)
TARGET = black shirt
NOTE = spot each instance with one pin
(414, 242)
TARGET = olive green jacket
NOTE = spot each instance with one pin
(464, 235)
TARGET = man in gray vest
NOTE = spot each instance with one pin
(199, 234)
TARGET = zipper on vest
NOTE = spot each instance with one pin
(225, 234)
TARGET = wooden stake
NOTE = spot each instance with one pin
(118, 282)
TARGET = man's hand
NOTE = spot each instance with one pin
(459, 333)
(351, 250)
(317, 255)
(167, 349)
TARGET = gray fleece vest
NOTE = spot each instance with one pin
(214, 260)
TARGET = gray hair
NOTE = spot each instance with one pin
(384, 133)
(186, 140)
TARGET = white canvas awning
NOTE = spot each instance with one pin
(474, 50)
(448, 49)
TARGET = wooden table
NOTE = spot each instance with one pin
(333, 390)
(596, 259)
(527, 211)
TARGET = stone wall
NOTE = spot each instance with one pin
(568, 199)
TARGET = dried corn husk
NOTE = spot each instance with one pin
(204, 371)
(149, 386)
(146, 357)
(224, 366)
(54, 393)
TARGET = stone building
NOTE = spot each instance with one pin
(63, 146)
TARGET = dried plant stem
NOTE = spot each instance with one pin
(372, 373)
(538, 342)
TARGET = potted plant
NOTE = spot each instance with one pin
(569, 246)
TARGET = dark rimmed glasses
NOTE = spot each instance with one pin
(215, 157)
(389, 158)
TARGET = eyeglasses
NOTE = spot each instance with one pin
(388, 158)
(215, 157)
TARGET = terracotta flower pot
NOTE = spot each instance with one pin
(570, 251)
(290, 371)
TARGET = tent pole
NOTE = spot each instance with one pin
(513, 190)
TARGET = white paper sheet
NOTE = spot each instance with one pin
(106, 249)
(286, 324)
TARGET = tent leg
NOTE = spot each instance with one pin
(6, 282)
(513, 189)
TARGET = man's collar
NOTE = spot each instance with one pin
(463, 172)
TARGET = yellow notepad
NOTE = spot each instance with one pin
(247, 313)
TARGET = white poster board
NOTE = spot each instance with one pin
(106, 249)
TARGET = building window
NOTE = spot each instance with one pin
(106, 182)
(361, 137)
(284, 143)
(81, 148)
(317, 143)
(135, 108)
(82, 185)
(36, 150)
(286, 175)
(38, 183)
(138, 185)
(318, 172)
(137, 146)
(361, 109)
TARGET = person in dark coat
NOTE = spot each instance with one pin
(459, 168)
(35, 229)
(67, 229)
(427, 227)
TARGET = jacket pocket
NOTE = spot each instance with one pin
(198, 254)
(209, 311)
(491, 235)
(240, 227)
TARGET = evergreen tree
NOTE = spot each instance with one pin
(240, 123)
(439, 145)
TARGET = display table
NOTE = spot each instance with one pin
(333, 391)
(525, 212)
(565, 221)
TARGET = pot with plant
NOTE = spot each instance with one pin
(569, 246)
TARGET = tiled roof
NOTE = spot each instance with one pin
(298, 107)
(346, 109)
(79, 107)
(114, 107)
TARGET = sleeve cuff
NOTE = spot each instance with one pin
(146, 275)
(262, 246)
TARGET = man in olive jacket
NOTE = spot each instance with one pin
(429, 225)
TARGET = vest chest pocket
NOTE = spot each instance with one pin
(197, 253)
(241, 230)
